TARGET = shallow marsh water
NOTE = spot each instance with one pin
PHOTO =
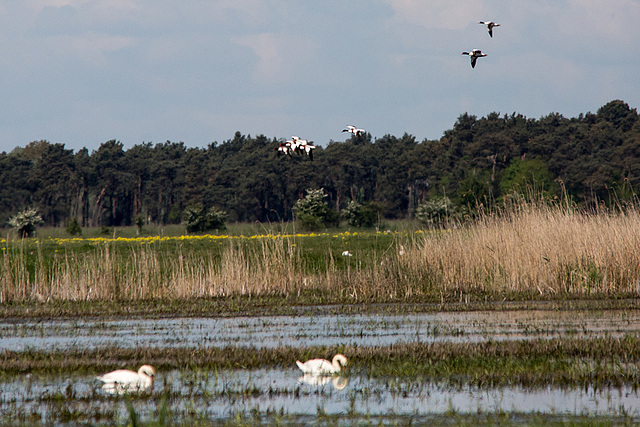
(275, 331)
(221, 395)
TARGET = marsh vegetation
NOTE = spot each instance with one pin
(440, 366)
(223, 317)
(529, 252)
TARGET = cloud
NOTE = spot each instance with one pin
(442, 14)
(613, 20)
(281, 56)
(89, 47)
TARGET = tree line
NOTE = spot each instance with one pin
(590, 158)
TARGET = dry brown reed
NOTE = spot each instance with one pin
(272, 267)
(535, 249)
(532, 251)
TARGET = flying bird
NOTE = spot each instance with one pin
(125, 381)
(295, 145)
(307, 147)
(354, 130)
(284, 148)
(474, 55)
(320, 367)
(490, 25)
(303, 146)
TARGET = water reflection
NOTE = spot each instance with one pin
(120, 389)
(339, 383)
(216, 396)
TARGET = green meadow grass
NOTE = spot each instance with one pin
(532, 252)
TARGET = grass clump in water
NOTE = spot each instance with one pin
(570, 362)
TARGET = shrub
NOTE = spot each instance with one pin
(197, 218)
(313, 212)
(73, 227)
(362, 215)
(25, 222)
(436, 212)
(138, 220)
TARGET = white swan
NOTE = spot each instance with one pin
(321, 366)
(125, 381)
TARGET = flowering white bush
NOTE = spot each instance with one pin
(436, 212)
(25, 222)
(313, 212)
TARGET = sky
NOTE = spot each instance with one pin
(83, 72)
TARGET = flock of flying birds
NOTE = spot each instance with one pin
(477, 53)
(300, 146)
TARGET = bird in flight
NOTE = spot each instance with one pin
(354, 130)
(490, 25)
(474, 55)
(295, 145)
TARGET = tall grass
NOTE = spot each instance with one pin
(533, 250)
(536, 249)
(143, 272)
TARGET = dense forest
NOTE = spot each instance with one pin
(593, 157)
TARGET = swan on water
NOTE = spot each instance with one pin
(322, 366)
(125, 381)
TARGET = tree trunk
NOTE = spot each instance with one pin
(97, 211)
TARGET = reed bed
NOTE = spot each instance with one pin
(530, 252)
(536, 250)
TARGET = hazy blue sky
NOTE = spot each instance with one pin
(82, 72)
